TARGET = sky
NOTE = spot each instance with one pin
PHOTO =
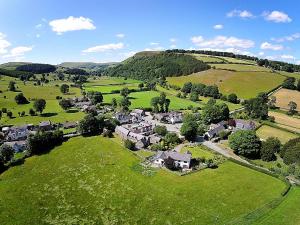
(55, 31)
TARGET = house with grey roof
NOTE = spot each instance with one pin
(169, 117)
(18, 133)
(180, 160)
(244, 124)
(18, 146)
(214, 130)
(45, 125)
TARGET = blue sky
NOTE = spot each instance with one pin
(101, 31)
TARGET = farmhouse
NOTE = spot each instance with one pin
(214, 130)
(170, 117)
(68, 125)
(45, 125)
(244, 124)
(18, 133)
(140, 128)
(181, 160)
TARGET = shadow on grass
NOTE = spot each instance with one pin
(72, 111)
(48, 114)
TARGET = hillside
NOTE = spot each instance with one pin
(86, 65)
(12, 65)
(150, 65)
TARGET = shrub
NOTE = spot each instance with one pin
(129, 145)
(9, 114)
(269, 148)
(31, 112)
(161, 130)
(20, 99)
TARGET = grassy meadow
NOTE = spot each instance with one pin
(95, 180)
(291, 123)
(241, 67)
(52, 112)
(284, 96)
(267, 131)
(244, 84)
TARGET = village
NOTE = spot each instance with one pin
(138, 127)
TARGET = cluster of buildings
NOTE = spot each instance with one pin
(84, 104)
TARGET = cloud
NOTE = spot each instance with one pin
(267, 45)
(287, 57)
(104, 48)
(298, 62)
(172, 40)
(71, 24)
(233, 50)
(120, 35)
(291, 37)
(277, 17)
(18, 51)
(173, 46)
(261, 53)
(154, 43)
(240, 13)
(128, 54)
(222, 42)
(37, 35)
(158, 48)
(218, 26)
(38, 26)
(4, 44)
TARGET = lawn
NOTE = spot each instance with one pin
(288, 122)
(143, 99)
(199, 151)
(48, 92)
(267, 131)
(284, 96)
(244, 84)
(96, 181)
(241, 67)
(106, 89)
(110, 81)
(287, 213)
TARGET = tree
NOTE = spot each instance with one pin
(189, 127)
(91, 125)
(269, 148)
(194, 96)
(65, 104)
(141, 86)
(125, 103)
(161, 130)
(272, 102)
(114, 102)
(293, 107)
(125, 92)
(129, 145)
(9, 114)
(187, 87)
(6, 153)
(245, 143)
(289, 83)
(290, 151)
(20, 99)
(31, 112)
(11, 86)
(214, 113)
(171, 139)
(232, 98)
(154, 104)
(64, 88)
(39, 105)
(256, 108)
(298, 85)
(95, 96)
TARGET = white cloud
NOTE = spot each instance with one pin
(240, 13)
(277, 17)
(267, 45)
(158, 48)
(173, 40)
(128, 54)
(71, 24)
(154, 43)
(37, 35)
(4, 44)
(218, 26)
(261, 53)
(173, 46)
(287, 57)
(291, 37)
(222, 42)
(104, 48)
(18, 51)
(120, 35)
(38, 26)
(298, 62)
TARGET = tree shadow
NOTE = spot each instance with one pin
(48, 114)
(72, 111)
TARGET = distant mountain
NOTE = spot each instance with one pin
(90, 66)
(13, 65)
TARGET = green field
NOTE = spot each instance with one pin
(244, 84)
(234, 60)
(208, 58)
(287, 213)
(96, 181)
(267, 131)
(143, 99)
(48, 92)
(241, 67)
(106, 89)
(199, 151)
(110, 81)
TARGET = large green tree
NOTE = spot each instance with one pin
(39, 105)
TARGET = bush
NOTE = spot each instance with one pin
(269, 148)
(157, 147)
(31, 112)
(20, 99)
(291, 151)
(172, 138)
(161, 130)
(9, 114)
(129, 145)
(4, 110)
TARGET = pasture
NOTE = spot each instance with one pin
(208, 58)
(95, 180)
(110, 81)
(52, 112)
(267, 131)
(107, 89)
(285, 121)
(284, 96)
(241, 67)
(245, 84)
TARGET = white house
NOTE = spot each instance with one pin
(181, 160)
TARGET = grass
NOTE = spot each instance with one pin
(199, 152)
(285, 121)
(288, 212)
(241, 67)
(207, 58)
(110, 81)
(109, 88)
(284, 96)
(266, 131)
(142, 100)
(95, 181)
(234, 60)
(48, 92)
(244, 84)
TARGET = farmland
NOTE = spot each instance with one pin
(244, 84)
(284, 96)
(91, 184)
(267, 131)
(285, 121)
(241, 67)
